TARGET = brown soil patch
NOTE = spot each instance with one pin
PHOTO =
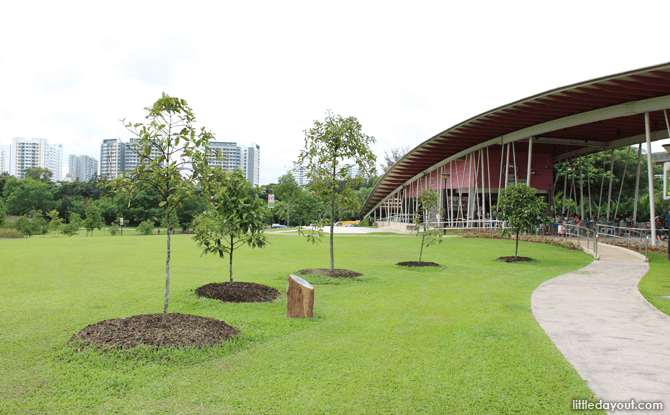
(337, 273)
(418, 264)
(512, 259)
(183, 330)
(238, 292)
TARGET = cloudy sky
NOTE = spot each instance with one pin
(263, 71)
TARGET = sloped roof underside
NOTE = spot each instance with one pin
(577, 119)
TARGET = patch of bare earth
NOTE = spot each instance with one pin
(238, 292)
(336, 273)
(513, 259)
(418, 264)
(183, 330)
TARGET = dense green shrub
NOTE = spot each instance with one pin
(146, 227)
(115, 229)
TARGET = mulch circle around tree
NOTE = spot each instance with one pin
(238, 292)
(183, 330)
(517, 259)
(337, 273)
(417, 264)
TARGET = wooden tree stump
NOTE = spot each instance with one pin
(300, 298)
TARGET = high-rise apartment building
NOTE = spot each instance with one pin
(4, 158)
(117, 157)
(234, 157)
(300, 175)
(251, 159)
(33, 153)
(112, 158)
(230, 155)
(82, 168)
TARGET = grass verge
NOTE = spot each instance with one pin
(459, 339)
(656, 283)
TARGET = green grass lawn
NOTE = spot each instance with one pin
(656, 283)
(456, 340)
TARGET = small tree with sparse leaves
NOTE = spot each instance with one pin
(93, 218)
(287, 189)
(521, 208)
(428, 202)
(332, 148)
(114, 229)
(173, 159)
(235, 216)
(71, 228)
(56, 222)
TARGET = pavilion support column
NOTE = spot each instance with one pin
(449, 204)
(637, 180)
(507, 166)
(581, 189)
(404, 205)
(483, 215)
(530, 159)
(609, 196)
(470, 199)
(451, 191)
(516, 179)
(573, 191)
(565, 185)
(500, 172)
(650, 170)
(488, 174)
(588, 180)
(625, 170)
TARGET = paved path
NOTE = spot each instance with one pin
(617, 341)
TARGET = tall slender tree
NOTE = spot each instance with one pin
(333, 148)
(287, 189)
(172, 161)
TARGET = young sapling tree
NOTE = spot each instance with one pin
(521, 208)
(428, 203)
(173, 158)
(332, 148)
(234, 217)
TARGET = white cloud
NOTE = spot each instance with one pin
(261, 72)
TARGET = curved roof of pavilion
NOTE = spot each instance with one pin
(583, 118)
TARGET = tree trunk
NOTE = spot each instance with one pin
(516, 251)
(232, 247)
(332, 225)
(288, 211)
(423, 238)
(299, 298)
(167, 278)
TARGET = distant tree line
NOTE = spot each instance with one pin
(295, 205)
(37, 198)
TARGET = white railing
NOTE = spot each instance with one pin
(603, 232)
(629, 234)
(581, 232)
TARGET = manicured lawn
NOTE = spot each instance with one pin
(656, 282)
(460, 339)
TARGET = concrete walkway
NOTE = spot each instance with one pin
(617, 341)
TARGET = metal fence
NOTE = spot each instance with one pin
(631, 237)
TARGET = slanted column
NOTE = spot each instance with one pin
(652, 204)
(609, 196)
(530, 159)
